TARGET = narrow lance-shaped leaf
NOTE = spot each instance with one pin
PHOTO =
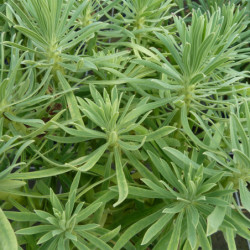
(93, 159)
(7, 236)
(71, 100)
(245, 196)
(136, 228)
(215, 219)
(191, 230)
(121, 179)
(175, 238)
(156, 228)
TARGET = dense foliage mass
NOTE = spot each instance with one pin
(124, 124)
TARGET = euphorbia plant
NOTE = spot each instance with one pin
(115, 128)
(124, 124)
(66, 227)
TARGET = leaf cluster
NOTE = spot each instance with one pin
(124, 124)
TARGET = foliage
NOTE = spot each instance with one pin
(124, 124)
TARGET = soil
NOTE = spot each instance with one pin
(219, 242)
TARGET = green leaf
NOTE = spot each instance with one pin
(80, 245)
(30, 122)
(175, 208)
(121, 179)
(166, 40)
(230, 239)
(72, 195)
(55, 202)
(194, 215)
(131, 146)
(111, 234)
(35, 229)
(244, 195)
(156, 228)
(40, 174)
(159, 133)
(96, 241)
(145, 193)
(242, 158)
(46, 126)
(204, 242)
(86, 227)
(188, 131)
(7, 236)
(71, 99)
(191, 230)
(83, 132)
(21, 216)
(175, 238)
(136, 228)
(45, 237)
(32, 35)
(183, 161)
(144, 172)
(215, 219)
(168, 70)
(10, 185)
(165, 170)
(93, 158)
(86, 212)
